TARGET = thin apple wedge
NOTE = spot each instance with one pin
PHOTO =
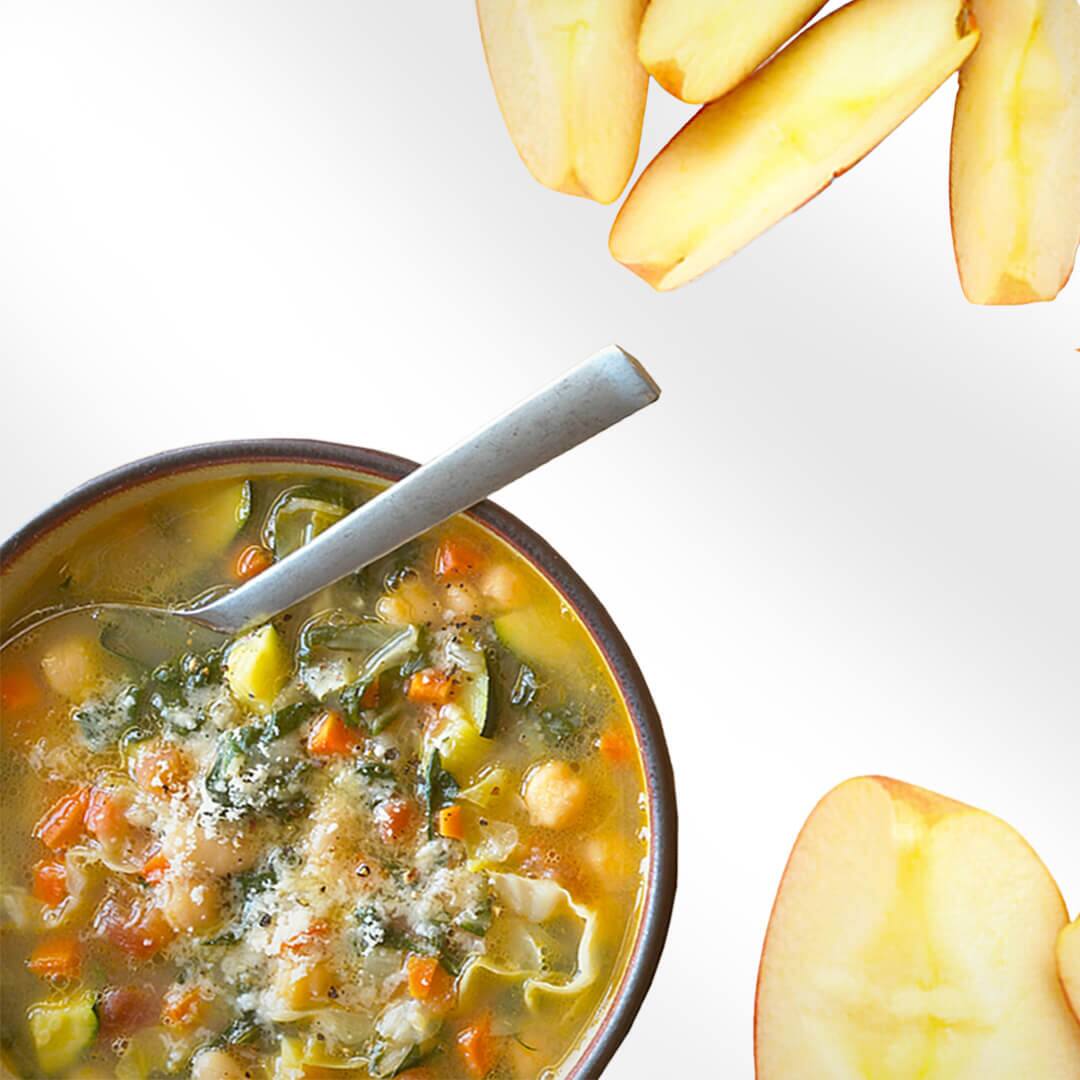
(912, 936)
(1015, 182)
(1069, 964)
(700, 49)
(749, 159)
(571, 88)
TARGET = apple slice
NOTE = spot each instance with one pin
(912, 936)
(1016, 152)
(699, 49)
(570, 87)
(1069, 964)
(758, 153)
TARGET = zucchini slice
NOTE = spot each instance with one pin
(63, 1030)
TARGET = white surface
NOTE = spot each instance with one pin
(845, 541)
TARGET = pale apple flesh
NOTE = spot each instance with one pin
(912, 936)
(749, 159)
(571, 88)
(699, 49)
(1069, 965)
(1015, 182)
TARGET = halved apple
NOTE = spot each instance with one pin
(1016, 152)
(912, 936)
(774, 142)
(571, 88)
(1069, 964)
(699, 49)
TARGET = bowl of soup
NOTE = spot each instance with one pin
(420, 825)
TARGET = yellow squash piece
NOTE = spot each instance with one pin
(257, 667)
(571, 88)
(912, 936)
(1016, 152)
(780, 138)
(700, 49)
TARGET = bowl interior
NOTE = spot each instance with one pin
(59, 529)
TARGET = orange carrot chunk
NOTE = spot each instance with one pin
(18, 689)
(50, 882)
(252, 561)
(105, 815)
(63, 823)
(430, 687)
(451, 823)
(183, 1008)
(616, 747)
(56, 958)
(458, 558)
(331, 735)
(394, 819)
(477, 1047)
(155, 868)
(428, 980)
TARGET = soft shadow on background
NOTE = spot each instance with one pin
(844, 542)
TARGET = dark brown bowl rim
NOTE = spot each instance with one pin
(659, 778)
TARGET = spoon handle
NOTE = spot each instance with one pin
(590, 398)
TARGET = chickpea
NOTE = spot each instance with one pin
(502, 585)
(607, 857)
(555, 795)
(217, 1065)
(224, 852)
(461, 601)
(73, 667)
(190, 903)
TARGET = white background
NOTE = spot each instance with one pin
(845, 541)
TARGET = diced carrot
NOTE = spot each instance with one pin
(155, 868)
(394, 819)
(452, 823)
(251, 561)
(477, 1047)
(616, 747)
(105, 815)
(430, 687)
(63, 823)
(133, 926)
(162, 770)
(457, 557)
(331, 735)
(18, 689)
(429, 981)
(369, 699)
(122, 1009)
(50, 882)
(419, 1073)
(306, 941)
(56, 958)
(183, 1007)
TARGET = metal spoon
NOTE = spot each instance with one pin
(591, 397)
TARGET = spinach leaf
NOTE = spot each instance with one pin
(525, 687)
(561, 724)
(243, 1030)
(286, 720)
(243, 754)
(373, 718)
(477, 919)
(437, 789)
(102, 723)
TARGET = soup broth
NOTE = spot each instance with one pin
(398, 831)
